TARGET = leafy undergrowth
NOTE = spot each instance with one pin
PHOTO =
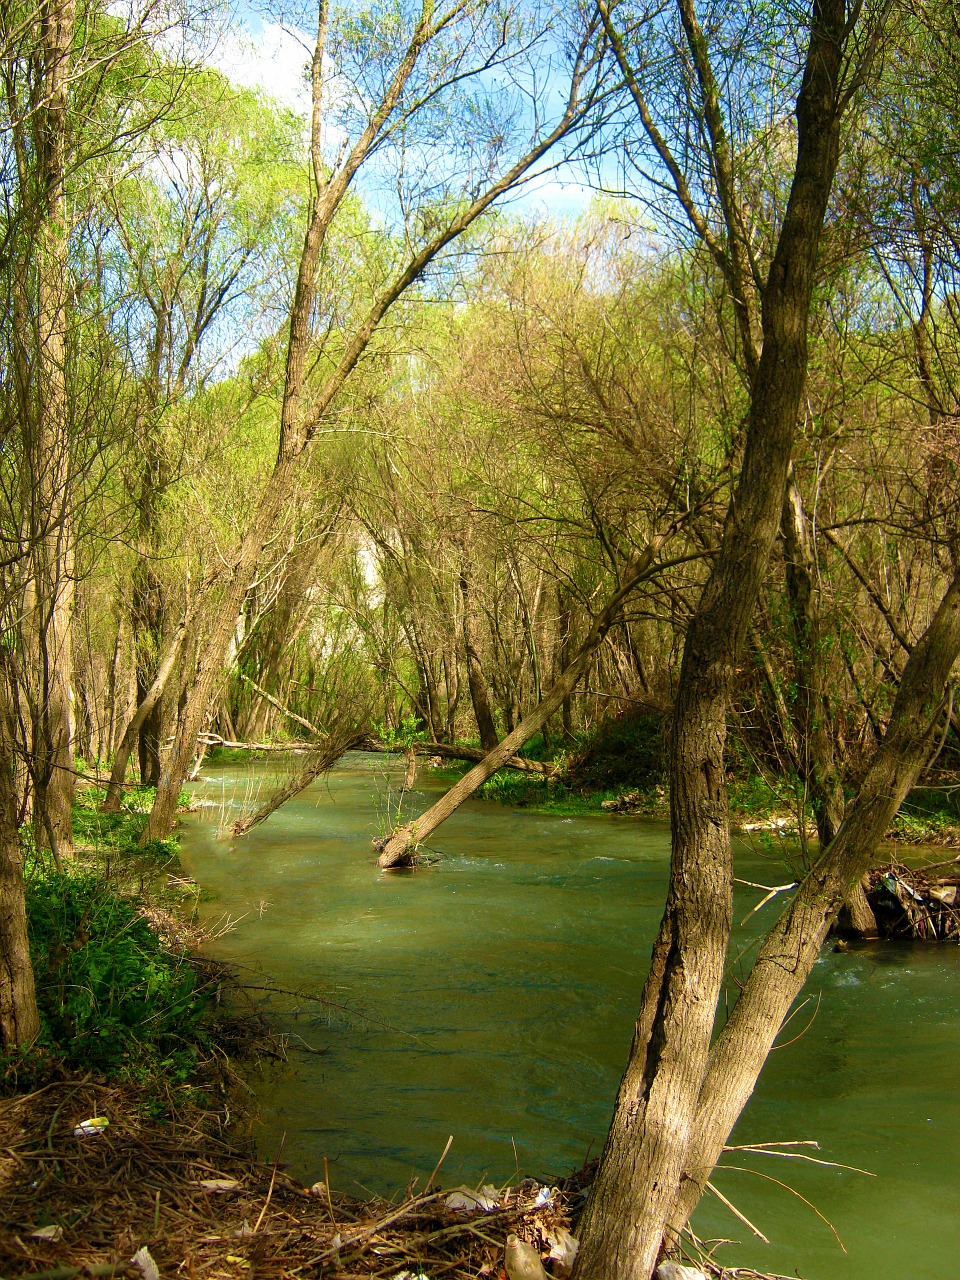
(115, 998)
(120, 993)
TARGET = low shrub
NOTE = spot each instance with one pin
(625, 751)
(112, 997)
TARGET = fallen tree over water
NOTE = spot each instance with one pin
(397, 849)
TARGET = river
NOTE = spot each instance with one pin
(492, 997)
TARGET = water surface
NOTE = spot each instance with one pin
(492, 997)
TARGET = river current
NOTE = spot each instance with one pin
(492, 996)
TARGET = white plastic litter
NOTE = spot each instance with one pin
(53, 1232)
(674, 1271)
(563, 1251)
(146, 1265)
(88, 1128)
(465, 1198)
(544, 1196)
(219, 1186)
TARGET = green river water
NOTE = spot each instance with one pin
(493, 998)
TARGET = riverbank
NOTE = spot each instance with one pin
(340, 923)
(148, 1196)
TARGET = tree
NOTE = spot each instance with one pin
(646, 1153)
(403, 86)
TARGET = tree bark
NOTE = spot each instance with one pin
(19, 1017)
(629, 1206)
(149, 700)
(479, 694)
(47, 479)
(791, 948)
(816, 757)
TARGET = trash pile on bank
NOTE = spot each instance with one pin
(91, 1185)
(922, 903)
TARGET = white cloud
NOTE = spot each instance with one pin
(274, 60)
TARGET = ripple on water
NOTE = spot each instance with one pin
(499, 990)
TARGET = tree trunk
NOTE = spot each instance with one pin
(791, 948)
(19, 1018)
(338, 741)
(200, 693)
(479, 694)
(150, 699)
(47, 480)
(397, 848)
(517, 763)
(629, 1206)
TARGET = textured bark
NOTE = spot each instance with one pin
(19, 1018)
(479, 694)
(631, 1201)
(791, 948)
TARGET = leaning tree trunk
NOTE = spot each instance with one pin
(397, 849)
(623, 1226)
(338, 741)
(790, 949)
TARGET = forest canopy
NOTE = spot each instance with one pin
(506, 375)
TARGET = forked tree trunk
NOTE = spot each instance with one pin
(397, 849)
(646, 1149)
(149, 700)
(790, 949)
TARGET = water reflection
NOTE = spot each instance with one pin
(498, 991)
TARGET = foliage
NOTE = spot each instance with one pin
(624, 751)
(407, 734)
(113, 998)
(121, 831)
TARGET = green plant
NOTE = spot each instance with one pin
(405, 735)
(112, 997)
(514, 788)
